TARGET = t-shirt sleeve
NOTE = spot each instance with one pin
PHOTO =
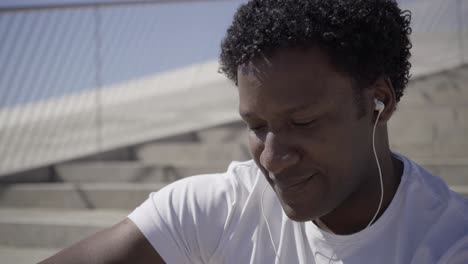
(185, 220)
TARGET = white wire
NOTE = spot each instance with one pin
(268, 226)
(380, 171)
(380, 175)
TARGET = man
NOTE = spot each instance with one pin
(317, 80)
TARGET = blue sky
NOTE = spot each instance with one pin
(50, 53)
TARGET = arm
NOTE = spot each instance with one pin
(122, 243)
(185, 227)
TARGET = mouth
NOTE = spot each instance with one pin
(293, 185)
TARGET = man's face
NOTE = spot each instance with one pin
(304, 130)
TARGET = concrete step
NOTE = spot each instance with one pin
(10, 255)
(190, 154)
(48, 228)
(447, 160)
(452, 174)
(76, 196)
(431, 150)
(110, 171)
(441, 161)
(229, 133)
(454, 170)
(461, 189)
(132, 171)
(431, 124)
(447, 88)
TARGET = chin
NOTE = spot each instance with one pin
(302, 211)
(298, 216)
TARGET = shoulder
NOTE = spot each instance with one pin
(239, 178)
(457, 253)
(440, 214)
(208, 192)
(429, 188)
(187, 219)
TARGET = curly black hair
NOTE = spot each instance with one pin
(366, 39)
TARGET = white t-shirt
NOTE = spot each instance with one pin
(217, 218)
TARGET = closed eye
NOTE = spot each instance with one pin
(303, 124)
(256, 128)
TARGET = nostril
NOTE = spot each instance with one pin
(267, 160)
(276, 154)
(276, 163)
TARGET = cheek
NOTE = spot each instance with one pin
(330, 149)
(345, 149)
(255, 146)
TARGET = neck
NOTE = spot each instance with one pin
(360, 207)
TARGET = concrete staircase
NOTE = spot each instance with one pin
(45, 210)
(431, 125)
(42, 213)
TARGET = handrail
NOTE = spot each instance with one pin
(15, 6)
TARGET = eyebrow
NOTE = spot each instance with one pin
(302, 107)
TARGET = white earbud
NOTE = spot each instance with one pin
(379, 106)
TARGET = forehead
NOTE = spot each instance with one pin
(290, 78)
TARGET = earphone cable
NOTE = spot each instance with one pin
(380, 176)
(266, 221)
(380, 171)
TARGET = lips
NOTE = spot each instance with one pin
(290, 183)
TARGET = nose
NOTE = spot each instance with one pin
(276, 155)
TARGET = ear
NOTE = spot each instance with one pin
(383, 91)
